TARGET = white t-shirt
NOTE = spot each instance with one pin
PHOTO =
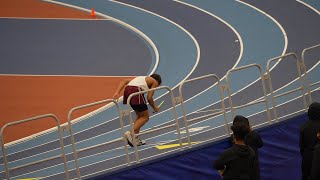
(139, 81)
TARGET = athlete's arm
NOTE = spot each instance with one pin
(154, 84)
(122, 84)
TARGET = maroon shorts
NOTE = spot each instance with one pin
(137, 102)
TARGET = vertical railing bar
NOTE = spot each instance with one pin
(280, 58)
(223, 107)
(305, 70)
(263, 88)
(301, 82)
(184, 114)
(123, 136)
(4, 154)
(75, 153)
(131, 119)
(229, 93)
(175, 115)
(62, 147)
(27, 120)
(132, 132)
(186, 122)
(274, 110)
(306, 76)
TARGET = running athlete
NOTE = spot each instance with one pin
(138, 102)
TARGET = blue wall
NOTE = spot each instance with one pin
(279, 158)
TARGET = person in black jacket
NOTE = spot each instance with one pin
(238, 162)
(315, 171)
(307, 139)
(252, 139)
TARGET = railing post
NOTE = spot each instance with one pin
(279, 59)
(4, 155)
(263, 89)
(27, 120)
(215, 77)
(308, 84)
(74, 149)
(131, 119)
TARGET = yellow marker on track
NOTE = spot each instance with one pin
(167, 146)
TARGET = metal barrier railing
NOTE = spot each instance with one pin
(75, 152)
(174, 100)
(301, 88)
(219, 111)
(153, 130)
(62, 155)
(308, 84)
(265, 100)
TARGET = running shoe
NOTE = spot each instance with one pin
(140, 142)
(129, 138)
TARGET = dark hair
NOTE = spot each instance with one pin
(240, 130)
(243, 119)
(157, 77)
(314, 111)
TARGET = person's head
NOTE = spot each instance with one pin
(242, 119)
(157, 77)
(240, 130)
(314, 111)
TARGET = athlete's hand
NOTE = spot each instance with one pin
(116, 96)
(156, 109)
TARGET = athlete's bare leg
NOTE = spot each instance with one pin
(142, 118)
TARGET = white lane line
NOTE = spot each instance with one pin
(276, 22)
(98, 110)
(269, 16)
(209, 129)
(239, 58)
(286, 42)
(224, 76)
(224, 22)
(180, 116)
(99, 135)
(215, 138)
(179, 26)
(309, 6)
(227, 24)
(68, 19)
(110, 104)
(291, 82)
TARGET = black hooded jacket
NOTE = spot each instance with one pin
(308, 131)
(253, 140)
(238, 162)
(308, 138)
(315, 171)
